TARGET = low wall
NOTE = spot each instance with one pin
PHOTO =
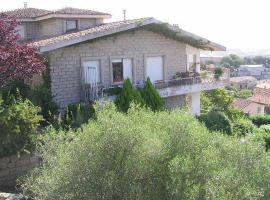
(12, 167)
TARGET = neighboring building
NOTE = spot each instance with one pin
(243, 82)
(258, 71)
(87, 56)
(249, 107)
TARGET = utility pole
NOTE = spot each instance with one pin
(124, 12)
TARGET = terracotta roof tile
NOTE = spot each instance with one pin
(241, 103)
(35, 12)
(261, 98)
(97, 29)
(26, 13)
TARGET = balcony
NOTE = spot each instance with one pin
(194, 83)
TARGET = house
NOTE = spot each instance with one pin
(249, 107)
(86, 55)
(258, 71)
(243, 82)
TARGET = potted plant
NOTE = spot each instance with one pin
(218, 72)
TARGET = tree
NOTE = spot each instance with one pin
(233, 60)
(17, 61)
(128, 95)
(151, 97)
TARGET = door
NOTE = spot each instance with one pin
(154, 68)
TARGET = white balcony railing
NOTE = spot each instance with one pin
(167, 88)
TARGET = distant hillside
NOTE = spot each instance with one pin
(239, 52)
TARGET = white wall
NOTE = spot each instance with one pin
(196, 103)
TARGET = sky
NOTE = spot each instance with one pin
(242, 24)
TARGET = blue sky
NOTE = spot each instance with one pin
(232, 23)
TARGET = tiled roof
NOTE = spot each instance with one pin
(76, 11)
(241, 103)
(242, 79)
(97, 29)
(261, 98)
(24, 13)
(60, 41)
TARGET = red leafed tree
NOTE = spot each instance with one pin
(17, 61)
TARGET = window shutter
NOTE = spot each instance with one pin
(127, 65)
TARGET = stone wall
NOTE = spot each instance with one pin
(175, 101)
(13, 167)
(66, 63)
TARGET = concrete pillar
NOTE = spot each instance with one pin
(196, 103)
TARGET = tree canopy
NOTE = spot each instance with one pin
(17, 61)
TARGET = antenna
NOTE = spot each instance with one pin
(25, 4)
(124, 12)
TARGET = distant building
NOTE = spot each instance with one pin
(243, 82)
(258, 71)
(249, 107)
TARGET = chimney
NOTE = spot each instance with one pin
(125, 12)
(25, 4)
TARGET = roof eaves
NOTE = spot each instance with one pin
(92, 36)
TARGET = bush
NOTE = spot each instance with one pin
(216, 120)
(18, 124)
(259, 120)
(147, 155)
(244, 94)
(128, 95)
(218, 72)
(151, 97)
(243, 127)
(76, 115)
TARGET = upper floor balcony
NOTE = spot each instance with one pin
(182, 83)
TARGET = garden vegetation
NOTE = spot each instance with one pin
(143, 154)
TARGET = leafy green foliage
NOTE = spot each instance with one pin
(243, 127)
(244, 94)
(151, 97)
(215, 120)
(263, 135)
(259, 120)
(128, 95)
(148, 155)
(76, 115)
(18, 124)
(218, 72)
(232, 60)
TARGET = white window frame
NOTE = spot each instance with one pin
(21, 31)
(98, 74)
(122, 60)
(163, 66)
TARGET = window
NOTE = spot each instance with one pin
(21, 31)
(91, 72)
(122, 69)
(191, 63)
(154, 68)
(71, 25)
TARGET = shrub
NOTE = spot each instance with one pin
(259, 120)
(147, 155)
(218, 72)
(128, 95)
(243, 127)
(76, 115)
(18, 124)
(151, 97)
(216, 120)
(244, 94)
(263, 135)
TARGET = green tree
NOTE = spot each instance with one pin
(128, 95)
(244, 94)
(151, 97)
(141, 154)
(233, 60)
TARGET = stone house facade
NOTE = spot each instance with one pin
(81, 50)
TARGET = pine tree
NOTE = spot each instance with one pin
(128, 95)
(151, 97)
